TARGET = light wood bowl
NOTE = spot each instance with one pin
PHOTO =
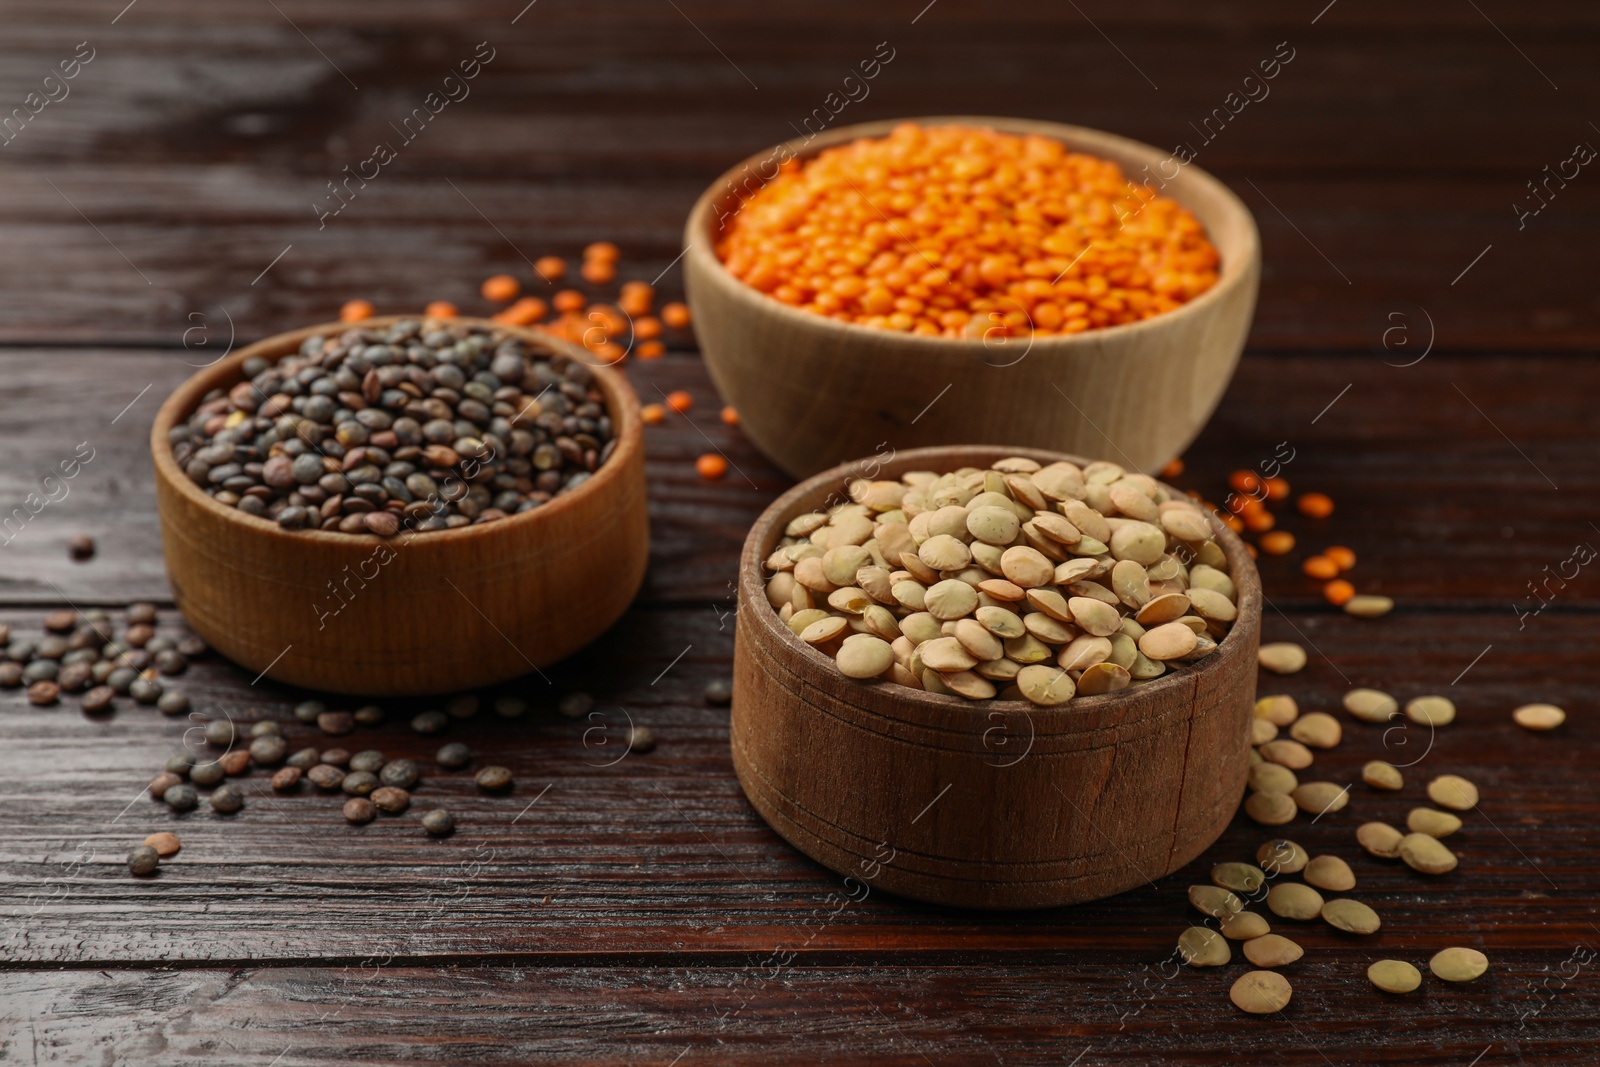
(812, 391)
(451, 610)
(988, 804)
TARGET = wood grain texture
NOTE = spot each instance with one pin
(1046, 806)
(1121, 1012)
(421, 612)
(813, 392)
(1391, 152)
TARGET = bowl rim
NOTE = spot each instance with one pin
(752, 586)
(699, 243)
(622, 404)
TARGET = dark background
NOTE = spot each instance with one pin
(632, 913)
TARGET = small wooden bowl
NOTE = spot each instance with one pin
(431, 613)
(812, 391)
(991, 804)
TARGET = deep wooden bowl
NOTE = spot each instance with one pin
(429, 613)
(990, 804)
(812, 391)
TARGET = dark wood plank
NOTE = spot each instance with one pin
(1110, 1011)
(1442, 509)
(661, 854)
(198, 148)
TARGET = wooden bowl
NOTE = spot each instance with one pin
(812, 391)
(430, 613)
(988, 804)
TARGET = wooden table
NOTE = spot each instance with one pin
(1423, 349)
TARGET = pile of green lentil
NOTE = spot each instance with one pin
(422, 425)
(1024, 581)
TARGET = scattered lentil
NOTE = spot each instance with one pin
(1214, 900)
(1272, 950)
(641, 739)
(1431, 711)
(1351, 916)
(391, 799)
(1381, 775)
(493, 779)
(143, 860)
(235, 763)
(1282, 657)
(1281, 856)
(360, 811)
(286, 778)
(430, 722)
(1427, 854)
(1270, 809)
(359, 783)
(368, 715)
(368, 759)
(1279, 709)
(1459, 964)
(227, 799)
(1368, 606)
(324, 776)
(99, 699)
(1380, 839)
(1201, 947)
(268, 751)
(1291, 900)
(1432, 822)
(1454, 792)
(1330, 873)
(1371, 705)
(336, 723)
(1317, 798)
(438, 822)
(165, 843)
(207, 773)
(1539, 716)
(1261, 992)
(1394, 976)
(1244, 925)
(1317, 729)
(181, 797)
(719, 691)
(400, 773)
(453, 756)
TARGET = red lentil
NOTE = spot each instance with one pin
(933, 228)
(500, 289)
(1315, 505)
(1342, 556)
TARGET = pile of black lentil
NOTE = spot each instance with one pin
(420, 425)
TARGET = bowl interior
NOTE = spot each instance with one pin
(621, 403)
(1228, 223)
(831, 486)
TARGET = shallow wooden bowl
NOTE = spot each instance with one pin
(988, 804)
(812, 391)
(429, 613)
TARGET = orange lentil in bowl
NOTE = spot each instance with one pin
(944, 229)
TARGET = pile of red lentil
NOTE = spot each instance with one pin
(952, 231)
